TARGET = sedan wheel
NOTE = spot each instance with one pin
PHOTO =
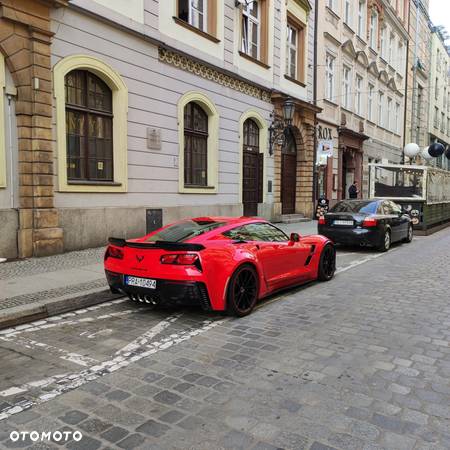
(327, 263)
(409, 236)
(242, 291)
(386, 244)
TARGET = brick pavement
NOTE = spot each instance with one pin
(361, 362)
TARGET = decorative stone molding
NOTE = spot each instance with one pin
(202, 70)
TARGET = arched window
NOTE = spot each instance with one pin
(89, 119)
(195, 145)
(251, 136)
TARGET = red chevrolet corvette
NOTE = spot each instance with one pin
(221, 263)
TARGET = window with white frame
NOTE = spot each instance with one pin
(397, 118)
(391, 48)
(448, 127)
(438, 57)
(330, 76)
(358, 96)
(347, 13)
(436, 117)
(291, 51)
(193, 12)
(443, 122)
(380, 108)
(389, 114)
(361, 18)
(370, 102)
(346, 87)
(383, 35)
(251, 29)
(373, 32)
(331, 4)
(400, 63)
(436, 88)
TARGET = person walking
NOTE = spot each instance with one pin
(353, 190)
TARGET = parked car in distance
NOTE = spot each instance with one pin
(376, 223)
(219, 263)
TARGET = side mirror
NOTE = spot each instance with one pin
(295, 237)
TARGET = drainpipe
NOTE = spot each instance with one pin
(315, 178)
(11, 153)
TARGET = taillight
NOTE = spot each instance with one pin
(321, 220)
(113, 252)
(369, 222)
(182, 259)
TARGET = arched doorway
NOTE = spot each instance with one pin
(288, 172)
(252, 167)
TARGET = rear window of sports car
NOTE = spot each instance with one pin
(183, 231)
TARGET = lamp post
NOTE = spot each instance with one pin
(280, 124)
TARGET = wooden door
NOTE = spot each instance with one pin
(288, 174)
(251, 169)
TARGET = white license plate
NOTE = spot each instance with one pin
(140, 282)
(343, 222)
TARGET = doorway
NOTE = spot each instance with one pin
(252, 165)
(288, 173)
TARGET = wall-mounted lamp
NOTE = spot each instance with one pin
(280, 124)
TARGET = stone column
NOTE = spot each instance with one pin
(25, 39)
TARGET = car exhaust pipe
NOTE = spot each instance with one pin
(141, 299)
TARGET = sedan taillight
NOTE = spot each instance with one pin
(113, 252)
(369, 222)
(321, 220)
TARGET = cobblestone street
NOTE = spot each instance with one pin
(361, 362)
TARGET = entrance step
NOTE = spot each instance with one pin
(293, 218)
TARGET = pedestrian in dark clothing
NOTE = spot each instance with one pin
(353, 190)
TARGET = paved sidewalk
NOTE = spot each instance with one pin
(41, 287)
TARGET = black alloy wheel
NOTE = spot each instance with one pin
(327, 263)
(242, 291)
(409, 235)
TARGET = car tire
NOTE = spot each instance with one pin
(409, 235)
(327, 263)
(243, 290)
(386, 241)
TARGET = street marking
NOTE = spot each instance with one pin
(362, 261)
(56, 321)
(59, 352)
(126, 356)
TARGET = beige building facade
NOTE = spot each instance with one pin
(118, 117)
(439, 96)
(361, 51)
(418, 74)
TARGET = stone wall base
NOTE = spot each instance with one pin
(9, 220)
(91, 227)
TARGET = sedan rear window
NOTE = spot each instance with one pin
(182, 231)
(367, 207)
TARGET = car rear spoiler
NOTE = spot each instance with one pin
(176, 246)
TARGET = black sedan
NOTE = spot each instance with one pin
(375, 223)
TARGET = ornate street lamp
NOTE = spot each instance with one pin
(280, 124)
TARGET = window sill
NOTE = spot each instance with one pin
(293, 80)
(92, 183)
(334, 14)
(361, 40)
(254, 60)
(188, 26)
(196, 186)
(348, 28)
(330, 102)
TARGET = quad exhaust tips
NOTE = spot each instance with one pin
(143, 299)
